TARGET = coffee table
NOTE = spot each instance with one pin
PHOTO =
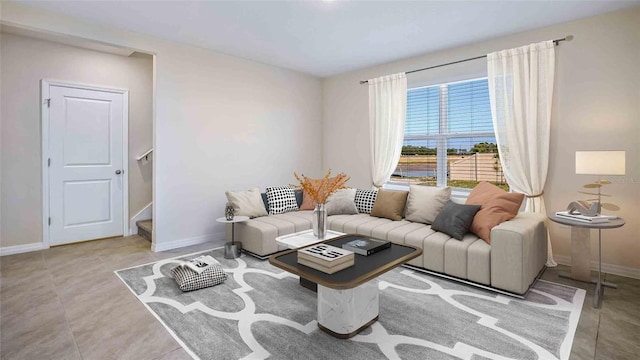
(303, 239)
(348, 300)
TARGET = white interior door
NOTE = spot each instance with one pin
(86, 172)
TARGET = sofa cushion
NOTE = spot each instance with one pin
(338, 222)
(497, 206)
(382, 231)
(399, 234)
(281, 199)
(424, 203)
(304, 214)
(455, 219)
(479, 262)
(365, 199)
(432, 256)
(247, 203)
(389, 204)
(455, 255)
(365, 226)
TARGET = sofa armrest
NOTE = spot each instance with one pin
(518, 252)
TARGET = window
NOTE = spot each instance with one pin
(449, 137)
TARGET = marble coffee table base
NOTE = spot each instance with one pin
(344, 313)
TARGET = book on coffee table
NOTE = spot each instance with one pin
(366, 246)
(326, 258)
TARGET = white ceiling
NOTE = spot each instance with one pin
(324, 38)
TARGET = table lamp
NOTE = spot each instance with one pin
(599, 163)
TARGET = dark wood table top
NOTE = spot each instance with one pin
(364, 269)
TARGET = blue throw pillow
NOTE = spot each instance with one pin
(298, 197)
(265, 201)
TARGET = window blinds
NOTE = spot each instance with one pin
(449, 137)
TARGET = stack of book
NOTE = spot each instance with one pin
(366, 246)
(584, 218)
(326, 258)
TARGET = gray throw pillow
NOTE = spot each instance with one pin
(341, 206)
(455, 219)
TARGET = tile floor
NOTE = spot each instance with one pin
(66, 303)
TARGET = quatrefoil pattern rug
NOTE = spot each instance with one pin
(262, 312)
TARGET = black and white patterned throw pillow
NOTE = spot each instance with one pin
(365, 200)
(281, 199)
(189, 280)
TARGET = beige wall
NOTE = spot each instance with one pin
(596, 107)
(26, 61)
(221, 123)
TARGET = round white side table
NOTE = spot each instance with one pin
(232, 249)
(581, 252)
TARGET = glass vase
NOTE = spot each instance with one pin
(319, 221)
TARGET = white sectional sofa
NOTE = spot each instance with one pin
(512, 262)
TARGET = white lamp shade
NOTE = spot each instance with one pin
(600, 162)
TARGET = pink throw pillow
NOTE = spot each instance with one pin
(496, 207)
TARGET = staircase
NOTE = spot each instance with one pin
(145, 228)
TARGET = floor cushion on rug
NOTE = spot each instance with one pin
(189, 280)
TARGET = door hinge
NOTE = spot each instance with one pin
(48, 101)
(49, 221)
(49, 162)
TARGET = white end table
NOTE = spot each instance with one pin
(232, 249)
(581, 252)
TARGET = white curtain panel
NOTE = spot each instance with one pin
(521, 92)
(387, 111)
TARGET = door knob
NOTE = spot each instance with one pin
(118, 172)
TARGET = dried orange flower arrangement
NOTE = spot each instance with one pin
(320, 190)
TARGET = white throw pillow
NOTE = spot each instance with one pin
(247, 203)
(424, 203)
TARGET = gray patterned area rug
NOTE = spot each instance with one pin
(262, 312)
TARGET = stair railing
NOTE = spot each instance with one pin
(145, 155)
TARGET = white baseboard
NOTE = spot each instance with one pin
(216, 239)
(144, 214)
(19, 249)
(606, 268)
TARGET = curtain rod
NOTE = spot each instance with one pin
(557, 41)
